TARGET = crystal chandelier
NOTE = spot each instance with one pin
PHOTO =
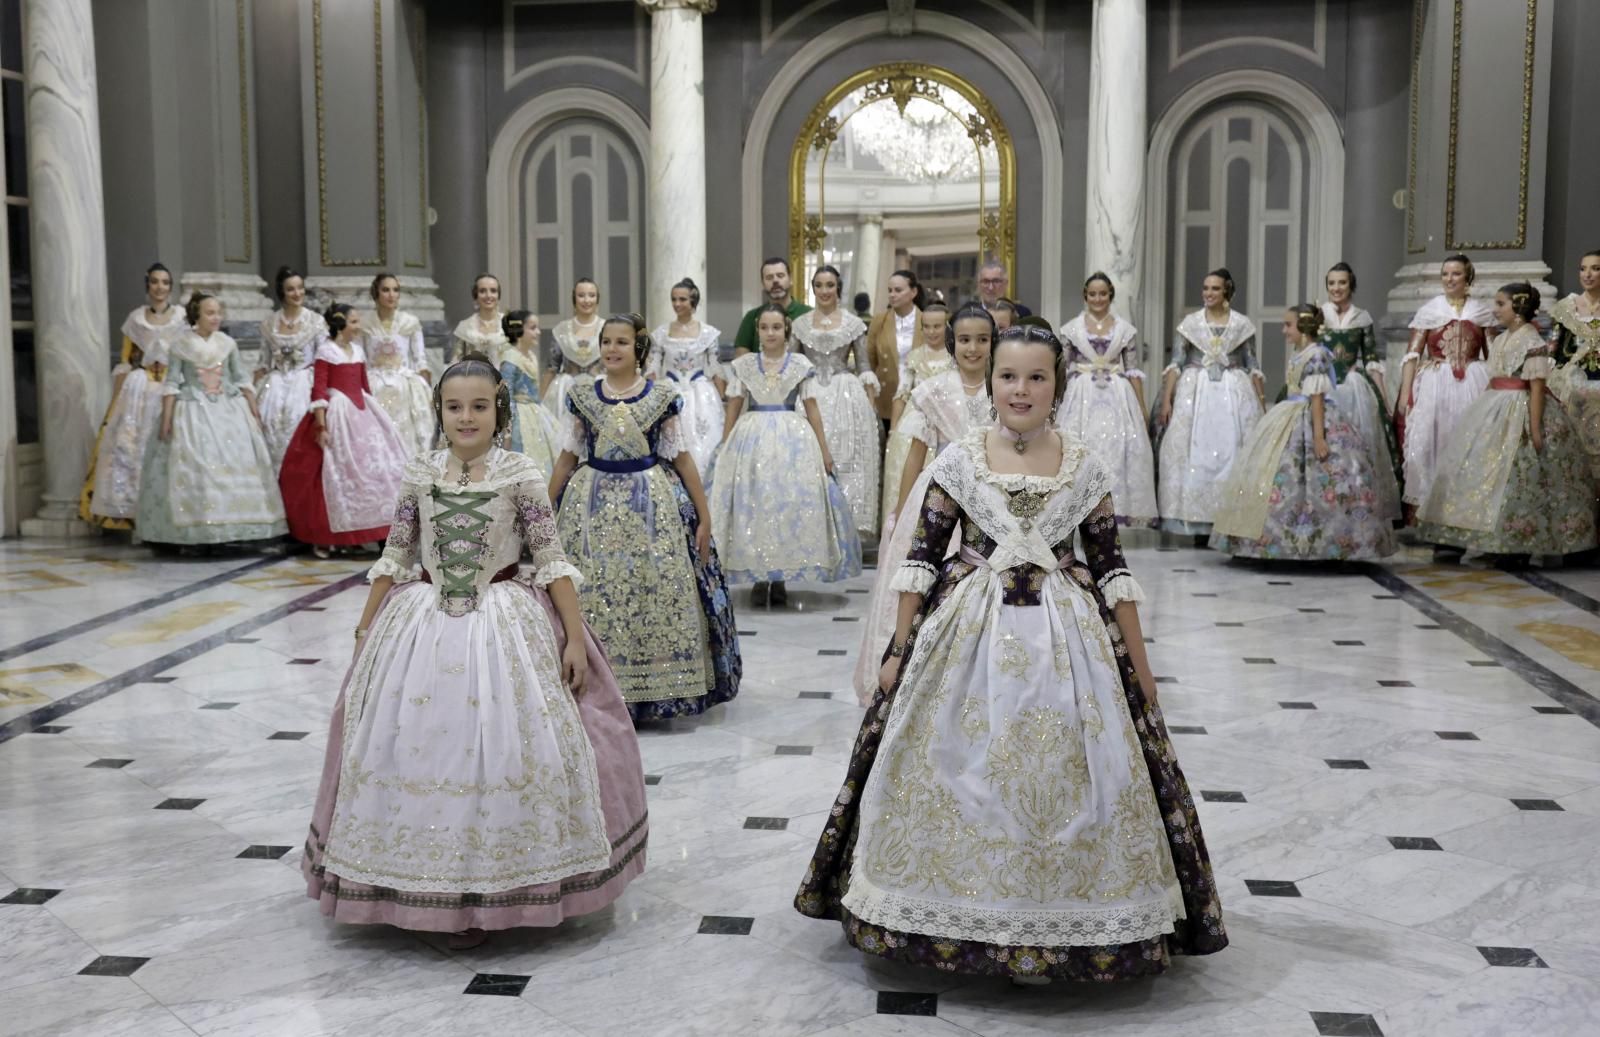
(926, 145)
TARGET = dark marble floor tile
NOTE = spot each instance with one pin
(1429, 626)
(1345, 1024)
(832, 651)
(1280, 583)
(1311, 610)
(1203, 594)
(1553, 711)
(1350, 644)
(1260, 660)
(1183, 570)
(219, 705)
(1161, 680)
(1537, 804)
(112, 965)
(1482, 662)
(158, 680)
(1271, 888)
(28, 895)
(902, 1002)
(312, 608)
(304, 662)
(1347, 765)
(1297, 705)
(1396, 684)
(816, 694)
(1213, 796)
(497, 984)
(766, 824)
(1456, 736)
(245, 641)
(847, 619)
(109, 764)
(178, 804)
(1413, 842)
(1185, 729)
(262, 853)
(287, 736)
(857, 590)
(652, 779)
(50, 729)
(794, 750)
(1230, 624)
(725, 925)
(747, 633)
(1513, 957)
(1386, 597)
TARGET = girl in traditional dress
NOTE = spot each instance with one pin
(481, 333)
(1577, 341)
(686, 354)
(397, 365)
(1514, 479)
(1005, 314)
(576, 354)
(208, 477)
(289, 340)
(1348, 332)
(1442, 374)
(928, 359)
(111, 491)
(1013, 805)
(1211, 396)
(1104, 407)
(342, 470)
(534, 430)
(846, 395)
(634, 520)
(783, 514)
(941, 411)
(1302, 486)
(481, 772)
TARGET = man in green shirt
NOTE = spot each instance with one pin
(775, 283)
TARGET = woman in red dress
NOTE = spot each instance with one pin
(342, 470)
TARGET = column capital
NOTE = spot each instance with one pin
(702, 6)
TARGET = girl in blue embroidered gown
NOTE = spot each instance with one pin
(1303, 486)
(534, 429)
(782, 513)
(632, 520)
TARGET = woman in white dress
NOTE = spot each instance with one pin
(111, 491)
(926, 360)
(1348, 332)
(533, 429)
(1443, 372)
(481, 333)
(1576, 382)
(1104, 407)
(1211, 397)
(941, 410)
(289, 340)
(1013, 805)
(208, 477)
(575, 352)
(685, 353)
(397, 365)
(845, 393)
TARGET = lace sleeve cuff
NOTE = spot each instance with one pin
(913, 578)
(387, 566)
(1119, 585)
(317, 405)
(553, 570)
(1171, 368)
(1376, 367)
(1411, 357)
(1134, 372)
(869, 382)
(1316, 385)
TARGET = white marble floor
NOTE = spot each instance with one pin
(1399, 770)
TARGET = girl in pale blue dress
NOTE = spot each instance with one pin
(781, 512)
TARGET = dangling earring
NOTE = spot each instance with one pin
(1053, 408)
(993, 413)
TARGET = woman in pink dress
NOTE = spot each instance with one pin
(342, 469)
(481, 770)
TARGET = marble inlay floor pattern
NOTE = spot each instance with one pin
(1397, 768)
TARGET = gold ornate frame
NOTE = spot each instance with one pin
(899, 82)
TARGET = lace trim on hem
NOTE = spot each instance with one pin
(913, 578)
(1068, 927)
(392, 569)
(1120, 586)
(592, 859)
(550, 572)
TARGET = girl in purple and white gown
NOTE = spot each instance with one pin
(481, 770)
(288, 348)
(1104, 406)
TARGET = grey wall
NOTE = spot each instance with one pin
(1572, 201)
(1376, 109)
(279, 145)
(457, 76)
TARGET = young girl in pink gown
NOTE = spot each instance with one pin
(342, 468)
(481, 770)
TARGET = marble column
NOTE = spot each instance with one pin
(67, 213)
(1480, 92)
(869, 254)
(1114, 227)
(675, 244)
